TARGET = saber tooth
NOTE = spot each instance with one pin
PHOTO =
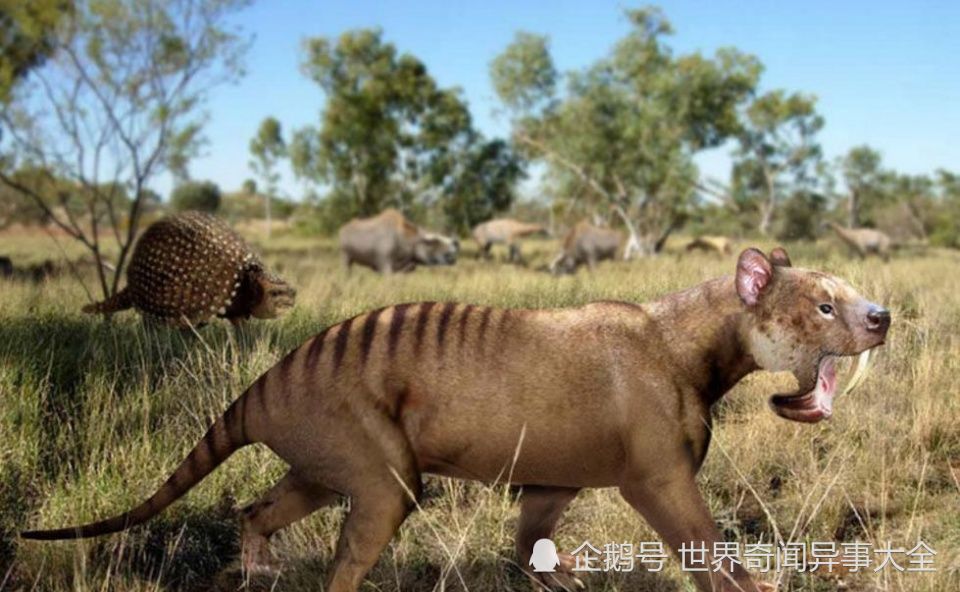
(863, 365)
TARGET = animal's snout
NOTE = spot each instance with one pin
(878, 319)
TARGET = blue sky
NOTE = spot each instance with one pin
(885, 73)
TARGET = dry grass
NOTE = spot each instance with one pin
(93, 417)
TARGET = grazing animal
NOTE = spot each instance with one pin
(507, 232)
(190, 267)
(586, 243)
(389, 242)
(714, 244)
(35, 273)
(610, 394)
(864, 241)
(39, 272)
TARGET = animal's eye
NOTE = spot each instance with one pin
(826, 309)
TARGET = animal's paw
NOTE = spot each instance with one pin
(766, 587)
(238, 577)
(262, 568)
(257, 558)
(564, 579)
(559, 582)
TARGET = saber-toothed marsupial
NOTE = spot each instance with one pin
(369, 405)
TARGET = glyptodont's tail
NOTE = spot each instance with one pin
(225, 436)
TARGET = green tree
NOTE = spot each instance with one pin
(625, 129)
(121, 104)
(481, 184)
(864, 179)
(802, 215)
(29, 36)
(523, 75)
(385, 127)
(267, 148)
(203, 196)
(250, 186)
(943, 221)
(906, 206)
(778, 149)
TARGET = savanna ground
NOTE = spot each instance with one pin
(94, 416)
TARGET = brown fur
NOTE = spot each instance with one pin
(369, 405)
(504, 231)
(388, 242)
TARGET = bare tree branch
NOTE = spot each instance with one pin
(129, 76)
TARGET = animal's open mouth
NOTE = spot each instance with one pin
(817, 404)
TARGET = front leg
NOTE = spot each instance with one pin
(540, 509)
(673, 506)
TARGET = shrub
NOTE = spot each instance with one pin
(203, 196)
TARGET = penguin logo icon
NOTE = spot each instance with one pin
(544, 557)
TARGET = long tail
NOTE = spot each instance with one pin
(119, 301)
(224, 437)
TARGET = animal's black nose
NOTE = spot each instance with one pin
(878, 319)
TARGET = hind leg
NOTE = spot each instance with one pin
(378, 470)
(372, 522)
(291, 499)
(540, 509)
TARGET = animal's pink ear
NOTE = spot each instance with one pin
(779, 257)
(753, 275)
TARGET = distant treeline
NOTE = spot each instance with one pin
(614, 141)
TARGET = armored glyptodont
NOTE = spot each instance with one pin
(190, 267)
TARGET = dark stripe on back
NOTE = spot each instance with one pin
(316, 349)
(504, 318)
(340, 345)
(195, 461)
(444, 322)
(484, 323)
(508, 319)
(369, 332)
(463, 323)
(396, 324)
(422, 323)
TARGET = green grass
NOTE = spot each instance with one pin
(94, 416)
